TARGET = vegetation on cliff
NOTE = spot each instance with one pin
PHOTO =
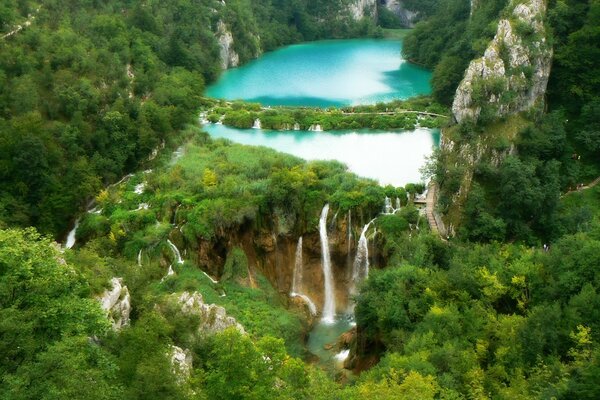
(506, 309)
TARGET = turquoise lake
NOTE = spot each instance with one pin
(326, 73)
(334, 73)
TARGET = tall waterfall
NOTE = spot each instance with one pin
(176, 252)
(297, 287)
(361, 262)
(329, 305)
(71, 236)
(360, 270)
(297, 279)
(398, 204)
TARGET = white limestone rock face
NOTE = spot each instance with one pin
(213, 318)
(408, 18)
(181, 361)
(116, 302)
(513, 73)
(362, 8)
(229, 58)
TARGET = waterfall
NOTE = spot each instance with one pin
(71, 236)
(398, 204)
(170, 272)
(329, 305)
(257, 124)
(297, 286)
(296, 126)
(315, 128)
(139, 188)
(139, 258)
(176, 252)
(349, 231)
(342, 355)
(361, 262)
(360, 270)
(297, 279)
(387, 206)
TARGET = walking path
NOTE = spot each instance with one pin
(584, 187)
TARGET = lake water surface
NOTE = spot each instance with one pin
(335, 73)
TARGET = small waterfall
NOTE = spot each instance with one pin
(398, 204)
(361, 262)
(296, 126)
(170, 272)
(210, 277)
(71, 236)
(342, 355)
(297, 286)
(315, 128)
(360, 270)
(139, 258)
(297, 279)
(257, 124)
(329, 305)
(387, 207)
(139, 188)
(349, 231)
(176, 252)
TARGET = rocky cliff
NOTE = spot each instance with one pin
(116, 302)
(407, 17)
(363, 8)
(229, 57)
(271, 251)
(513, 73)
(211, 317)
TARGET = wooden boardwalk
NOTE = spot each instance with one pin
(590, 185)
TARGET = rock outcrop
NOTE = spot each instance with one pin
(213, 318)
(117, 304)
(407, 17)
(363, 8)
(229, 57)
(513, 73)
(181, 360)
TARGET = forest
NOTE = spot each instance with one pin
(99, 108)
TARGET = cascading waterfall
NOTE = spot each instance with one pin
(387, 207)
(257, 124)
(297, 286)
(297, 279)
(71, 236)
(360, 269)
(139, 258)
(175, 251)
(398, 204)
(329, 304)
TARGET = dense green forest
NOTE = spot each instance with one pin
(94, 91)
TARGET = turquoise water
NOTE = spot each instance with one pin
(327, 335)
(335, 73)
(326, 73)
(388, 157)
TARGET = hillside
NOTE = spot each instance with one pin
(197, 268)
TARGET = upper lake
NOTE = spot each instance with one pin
(334, 73)
(326, 73)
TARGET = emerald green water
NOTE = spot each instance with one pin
(326, 73)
